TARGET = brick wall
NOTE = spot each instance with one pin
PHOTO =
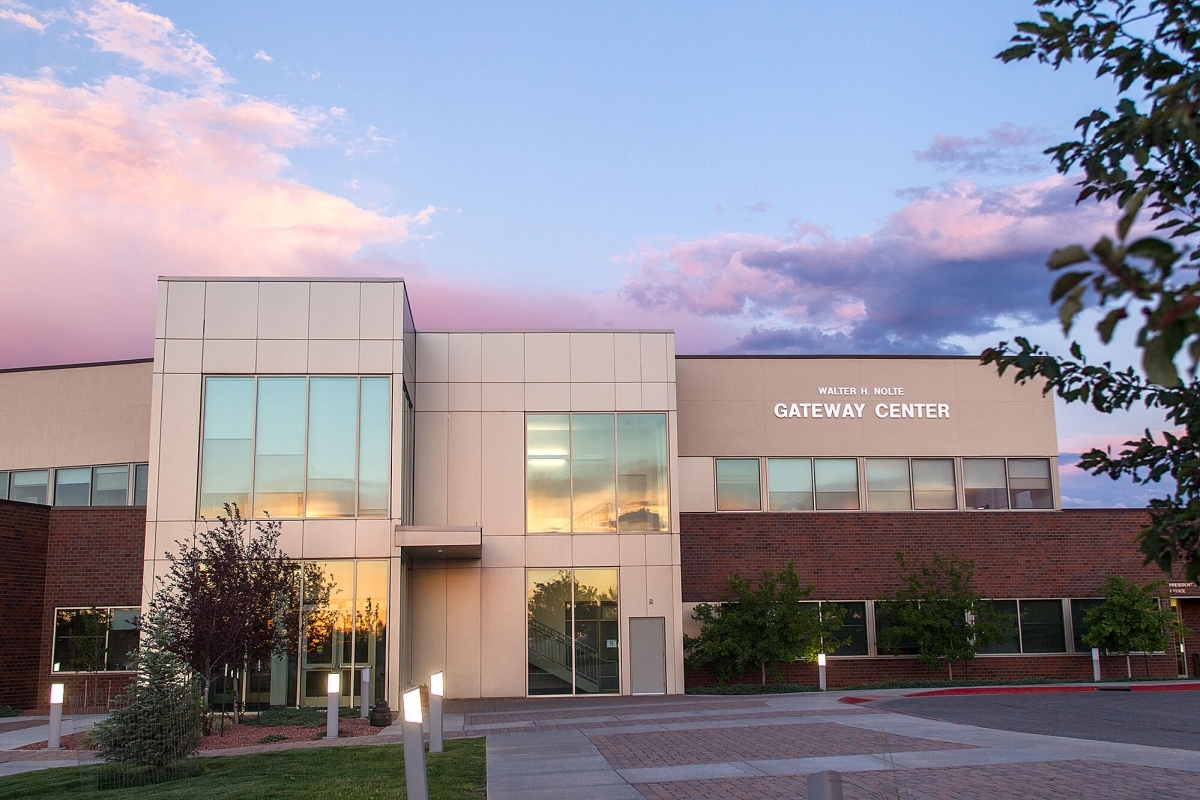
(852, 556)
(23, 532)
(94, 557)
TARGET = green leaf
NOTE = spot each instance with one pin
(1106, 326)
(1066, 256)
(1159, 364)
(1066, 283)
(1070, 308)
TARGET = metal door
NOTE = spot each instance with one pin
(648, 655)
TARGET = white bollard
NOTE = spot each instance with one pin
(56, 704)
(821, 669)
(1096, 664)
(436, 690)
(415, 779)
(824, 786)
(333, 697)
(364, 694)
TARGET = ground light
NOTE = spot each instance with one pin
(436, 691)
(414, 747)
(364, 693)
(821, 669)
(56, 704)
(333, 694)
(1096, 664)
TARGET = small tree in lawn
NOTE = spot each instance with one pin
(231, 597)
(161, 720)
(1130, 620)
(939, 613)
(764, 626)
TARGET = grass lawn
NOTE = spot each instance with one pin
(318, 773)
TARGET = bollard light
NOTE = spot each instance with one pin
(333, 696)
(54, 741)
(1096, 664)
(412, 706)
(821, 670)
(437, 688)
(364, 693)
(415, 777)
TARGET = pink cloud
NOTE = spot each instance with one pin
(104, 187)
(151, 40)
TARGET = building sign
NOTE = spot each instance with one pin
(1184, 589)
(854, 410)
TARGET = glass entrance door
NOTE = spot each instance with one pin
(573, 632)
(345, 623)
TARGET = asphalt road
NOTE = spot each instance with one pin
(1160, 719)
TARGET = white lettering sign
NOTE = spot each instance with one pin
(855, 410)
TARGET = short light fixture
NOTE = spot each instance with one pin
(821, 671)
(333, 691)
(54, 742)
(333, 684)
(437, 688)
(412, 705)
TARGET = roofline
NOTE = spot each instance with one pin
(545, 330)
(274, 279)
(854, 356)
(78, 366)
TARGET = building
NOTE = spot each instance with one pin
(532, 512)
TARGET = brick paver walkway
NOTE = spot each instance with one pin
(1050, 781)
(712, 746)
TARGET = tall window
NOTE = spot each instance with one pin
(836, 480)
(887, 484)
(737, 485)
(573, 628)
(294, 446)
(592, 473)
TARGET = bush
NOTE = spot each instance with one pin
(9, 711)
(161, 721)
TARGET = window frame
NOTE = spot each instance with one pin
(666, 472)
(761, 487)
(307, 377)
(107, 636)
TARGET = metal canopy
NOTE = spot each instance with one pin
(438, 542)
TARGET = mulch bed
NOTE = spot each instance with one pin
(247, 735)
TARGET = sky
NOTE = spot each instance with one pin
(854, 177)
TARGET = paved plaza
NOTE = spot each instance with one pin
(886, 745)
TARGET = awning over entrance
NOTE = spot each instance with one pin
(439, 542)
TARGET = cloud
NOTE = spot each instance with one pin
(106, 185)
(152, 41)
(21, 14)
(261, 55)
(1006, 150)
(959, 261)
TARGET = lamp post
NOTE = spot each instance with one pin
(436, 690)
(56, 704)
(333, 694)
(414, 747)
(821, 669)
(364, 693)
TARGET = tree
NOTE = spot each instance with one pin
(1130, 620)
(161, 720)
(939, 614)
(765, 626)
(1142, 153)
(231, 597)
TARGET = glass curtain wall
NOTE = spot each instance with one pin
(573, 629)
(343, 628)
(596, 473)
(296, 447)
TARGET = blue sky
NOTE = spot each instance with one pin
(851, 177)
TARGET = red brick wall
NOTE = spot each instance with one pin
(852, 556)
(94, 557)
(23, 532)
